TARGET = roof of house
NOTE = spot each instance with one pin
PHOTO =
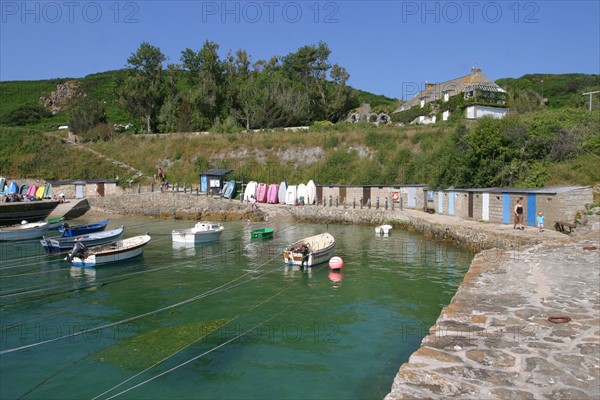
(433, 91)
(217, 172)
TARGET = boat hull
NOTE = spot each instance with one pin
(281, 193)
(290, 195)
(311, 192)
(229, 190)
(83, 229)
(321, 247)
(383, 229)
(263, 233)
(114, 252)
(202, 233)
(23, 232)
(273, 193)
(250, 191)
(261, 192)
(64, 244)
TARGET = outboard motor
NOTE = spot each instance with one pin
(78, 251)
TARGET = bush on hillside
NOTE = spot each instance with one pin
(86, 115)
(26, 114)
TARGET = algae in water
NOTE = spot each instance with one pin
(146, 349)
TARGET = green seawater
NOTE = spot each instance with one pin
(225, 320)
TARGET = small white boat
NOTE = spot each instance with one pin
(250, 191)
(202, 232)
(28, 230)
(64, 244)
(383, 230)
(108, 253)
(311, 192)
(290, 195)
(319, 249)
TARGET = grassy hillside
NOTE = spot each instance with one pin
(102, 87)
(345, 154)
(542, 146)
(560, 90)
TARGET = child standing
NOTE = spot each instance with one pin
(540, 222)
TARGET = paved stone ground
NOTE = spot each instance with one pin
(494, 341)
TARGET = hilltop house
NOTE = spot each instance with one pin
(482, 98)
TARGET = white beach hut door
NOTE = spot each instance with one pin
(412, 198)
(485, 211)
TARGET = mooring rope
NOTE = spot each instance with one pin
(226, 286)
(192, 343)
(202, 354)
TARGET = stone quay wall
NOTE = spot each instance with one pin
(521, 326)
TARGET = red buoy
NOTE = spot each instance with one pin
(336, 263)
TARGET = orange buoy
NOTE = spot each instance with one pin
(336, 263)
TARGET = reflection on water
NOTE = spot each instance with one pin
(183, 250)
(89, 273)
(282, 333)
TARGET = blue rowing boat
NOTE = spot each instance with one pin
(77, 230)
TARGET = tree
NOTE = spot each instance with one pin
(205, 75)
(85, 115)
(340, 97)
(170, 110)
(142, 92)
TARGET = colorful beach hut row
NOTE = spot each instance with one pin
(487, 205)
(33, 191)
(497, 204)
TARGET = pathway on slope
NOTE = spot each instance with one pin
(70, 141)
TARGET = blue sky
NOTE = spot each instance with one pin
(386, 46)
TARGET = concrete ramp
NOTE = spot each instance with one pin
(71, 210)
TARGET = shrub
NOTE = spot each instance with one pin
(26, 114)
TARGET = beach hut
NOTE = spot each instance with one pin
(212, 181)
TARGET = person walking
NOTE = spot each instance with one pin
(540, 221)
(518, 215)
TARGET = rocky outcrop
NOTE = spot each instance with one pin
(62, 96)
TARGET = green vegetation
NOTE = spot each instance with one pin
(144, 350)
(537, 145)
(25, 114)
(26, 153)
(561, 90)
